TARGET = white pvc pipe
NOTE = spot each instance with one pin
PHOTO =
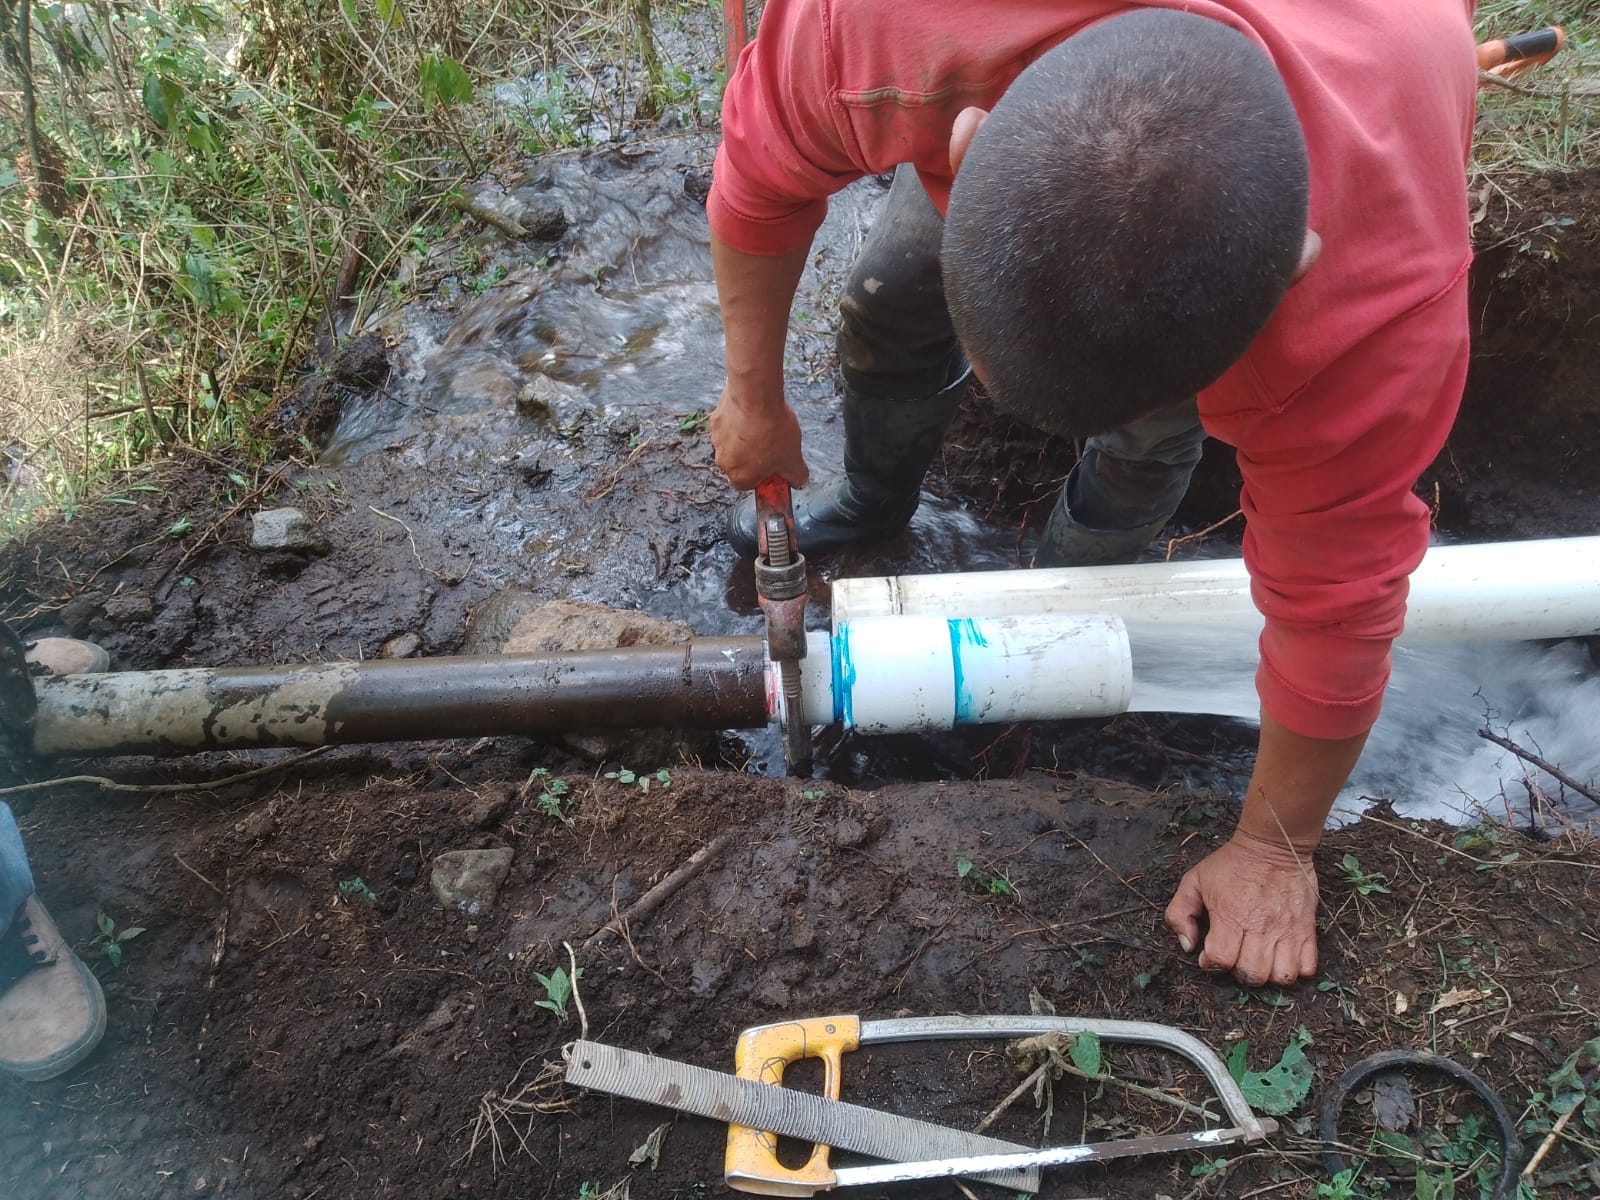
(1498, 591)
(904, 674)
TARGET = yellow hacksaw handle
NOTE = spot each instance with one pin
(762, 1053)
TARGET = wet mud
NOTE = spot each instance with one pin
(537, 422)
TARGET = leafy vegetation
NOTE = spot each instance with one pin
(558, 986)
(110, 940)
(202, 189)
(1282, 1087)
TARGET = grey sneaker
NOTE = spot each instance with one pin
(52, 1011)
(67, 656)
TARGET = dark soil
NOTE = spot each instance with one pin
(379, 1047)
(276, 1034)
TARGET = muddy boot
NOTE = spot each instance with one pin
(1123, 491)
(888, 447)
(1069, 543)
(52, 1012)
(67, 656)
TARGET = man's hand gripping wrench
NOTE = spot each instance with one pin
(781, 590)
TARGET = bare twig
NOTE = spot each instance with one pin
(1542, 764)
(204, 785)
(198, 876)
(410, 537)
(1016, 1094)
(658, 895)
(475, 207)
(1554, 1135)
(577, 997)
(1174, 543)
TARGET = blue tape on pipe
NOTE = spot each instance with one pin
(844, 677)
(963, 632)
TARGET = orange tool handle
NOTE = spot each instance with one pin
(1520, 53)
(762, 1053)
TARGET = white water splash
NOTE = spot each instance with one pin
(1425, 754)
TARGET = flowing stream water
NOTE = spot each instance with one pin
(1425, 753)
(620, 323)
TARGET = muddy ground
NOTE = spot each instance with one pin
(529, 420)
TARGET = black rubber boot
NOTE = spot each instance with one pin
(888, 447)
(1069, 542)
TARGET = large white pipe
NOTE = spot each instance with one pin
(1498, 591)
(906, 674)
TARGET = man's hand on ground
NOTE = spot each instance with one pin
(755, 441)
(1261, 903)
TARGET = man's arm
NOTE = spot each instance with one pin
(1259, 889)
(1334, 532)
(753, 430)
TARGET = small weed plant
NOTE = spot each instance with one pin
(555, 798)
(557, 987)
(641, 779)
(1363, 883)
(110, 940)
(989, 883)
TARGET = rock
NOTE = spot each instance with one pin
(517, 622)
(546, 399)
(560, 625)
(544, 219)
(697, 184)
(125, 610)
(803, 939)
(849, 833)
(476, 381)
(470, 879)
(259, 825)
(285, 529)
(402, 645)
(485, 811)
(771, 993)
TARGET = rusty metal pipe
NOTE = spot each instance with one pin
(709, 683)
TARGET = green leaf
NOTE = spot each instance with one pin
(963, 867)
(1238, 1061)
(444, 81)
(113, 953)
(127, 935)
(348, 8)
(163, 97)
(1441, 1187)
(389, 12)
(1086, 1053)
(1281, 1088)
(106, 924)
(200, 281)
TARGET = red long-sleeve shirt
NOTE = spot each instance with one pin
(1350, 390)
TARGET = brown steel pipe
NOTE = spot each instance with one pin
(709, 683)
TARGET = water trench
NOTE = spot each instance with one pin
(582, 372)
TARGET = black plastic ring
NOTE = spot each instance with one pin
(1333, 1108)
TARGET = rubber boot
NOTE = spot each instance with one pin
(888, 447)
(1068, 542)
(52, 1011)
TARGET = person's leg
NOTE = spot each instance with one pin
(904, 375)
(1124, 490)
(16, 880)
(52, 1011)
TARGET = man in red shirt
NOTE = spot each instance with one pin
(1139, 223)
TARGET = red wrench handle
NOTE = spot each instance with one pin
(774, 501)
